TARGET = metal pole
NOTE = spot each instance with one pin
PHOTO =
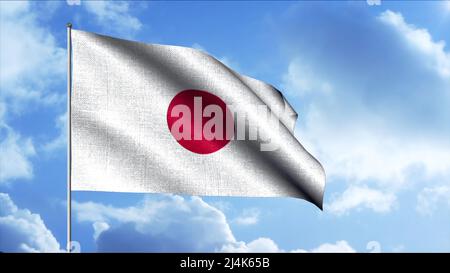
(69, 136)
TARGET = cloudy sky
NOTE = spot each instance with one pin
(370, 81)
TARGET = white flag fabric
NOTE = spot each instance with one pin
(129, 102)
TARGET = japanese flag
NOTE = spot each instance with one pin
(170, 119)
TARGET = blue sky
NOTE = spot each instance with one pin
(370, 81)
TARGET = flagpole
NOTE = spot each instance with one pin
(69, 137)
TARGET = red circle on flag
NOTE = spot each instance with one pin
(187, 119)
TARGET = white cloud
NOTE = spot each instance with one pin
(374, 2)
(301, 80)
(2, 112)
(114, 16)
(99, 227)
(23, 231)
(430, 199)
(338, 247)
(356, 197)
(264, 245)
(33, 60)
(366, 149)
(60, 140)
(248, 217)
(32, 65)
(17, 7)
(384, 121)
(420, 39)
(73, 2)
(363, 147)
(15, 155)
(170, 223)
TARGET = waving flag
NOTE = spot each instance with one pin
(170, 119)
